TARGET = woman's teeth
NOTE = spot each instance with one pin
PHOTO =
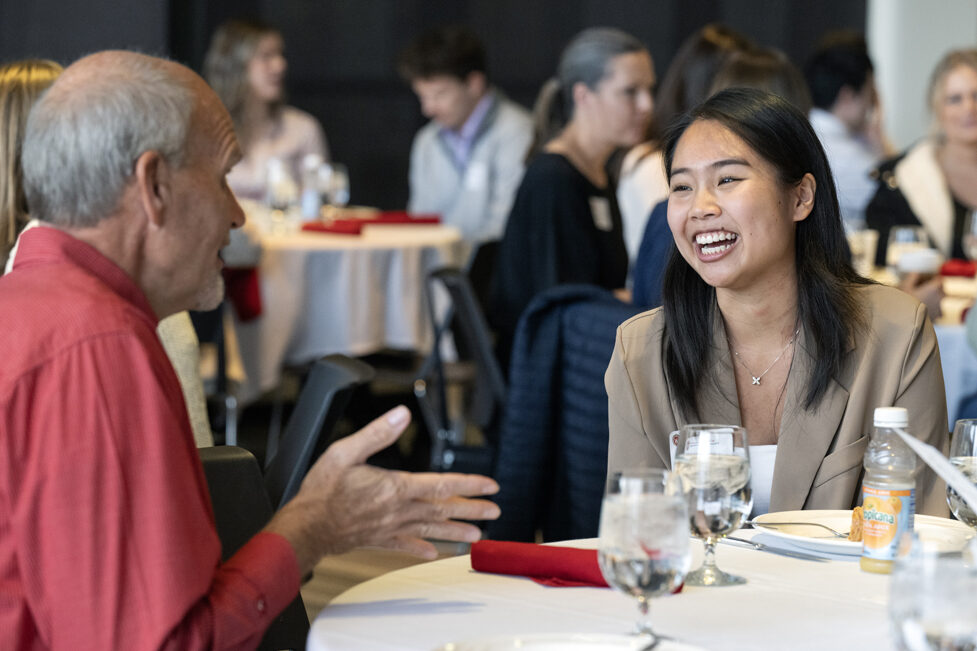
(715, 242)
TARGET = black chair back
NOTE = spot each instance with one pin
(241, 509)
(477, 368)
(310, 428)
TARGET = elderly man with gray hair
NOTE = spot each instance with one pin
(107, 539)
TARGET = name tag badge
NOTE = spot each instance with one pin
(476, 176)
(600, 208)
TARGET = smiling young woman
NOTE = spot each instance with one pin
(764, 323)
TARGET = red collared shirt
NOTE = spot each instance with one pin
(107, 538)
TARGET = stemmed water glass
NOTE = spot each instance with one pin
(713, 463)
(903, 239)
(963, 455)
(644, 538)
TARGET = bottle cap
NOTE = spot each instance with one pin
(891, 417)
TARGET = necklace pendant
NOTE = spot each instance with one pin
(756, 380)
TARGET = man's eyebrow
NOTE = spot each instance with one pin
(715, 165)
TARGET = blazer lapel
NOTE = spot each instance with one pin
(804, 440)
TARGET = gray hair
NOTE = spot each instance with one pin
(83, 139)
(584, 60)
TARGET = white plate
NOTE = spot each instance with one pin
(568, 641)
(946, 534)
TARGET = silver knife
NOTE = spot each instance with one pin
(774, 550)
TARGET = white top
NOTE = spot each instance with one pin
(852, 161)
(641, 187)
(296, 135)
(762, 458)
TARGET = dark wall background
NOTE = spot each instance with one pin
(341, 52)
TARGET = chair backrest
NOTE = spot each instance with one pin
(320, 405)
(241, 509)
(464, 320)
(552, 459)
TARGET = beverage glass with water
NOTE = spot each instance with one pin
(643, 549)
(713, 464)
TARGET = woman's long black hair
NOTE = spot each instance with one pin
(827, 308)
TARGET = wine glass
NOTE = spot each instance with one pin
(970, 236)
(963, 455)
(644, 539)
(713, 463)
(931, 597)
(339, 186)
(903, 239)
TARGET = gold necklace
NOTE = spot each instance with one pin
(756, 378)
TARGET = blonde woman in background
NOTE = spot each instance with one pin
(21, 84)
(245, 65)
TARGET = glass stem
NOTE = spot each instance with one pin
(709, 559)
(643, 626)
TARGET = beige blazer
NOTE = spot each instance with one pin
(894, 361)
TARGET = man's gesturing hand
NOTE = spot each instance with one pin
(344, 503)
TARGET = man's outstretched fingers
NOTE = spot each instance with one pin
(379, 434)
(442, 486)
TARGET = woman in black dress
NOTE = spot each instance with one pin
(565, 226)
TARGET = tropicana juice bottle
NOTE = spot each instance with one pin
(888, 491)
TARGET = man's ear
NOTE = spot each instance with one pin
(476, 82)
(152, 175)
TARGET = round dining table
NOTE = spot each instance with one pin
(324, 293)
(786, 603)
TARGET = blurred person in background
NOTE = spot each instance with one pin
(934, 183)
(21, 83)
(245, 65)
(847, 119)
(466, 163)
(565, 226)
(642, 182)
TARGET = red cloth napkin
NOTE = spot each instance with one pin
(243, 291)
(958, 267)
(544, 564)
(340, 226)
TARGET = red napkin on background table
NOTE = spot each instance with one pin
(243, 291)
(339, 226)
(958, 267)
(544, 564)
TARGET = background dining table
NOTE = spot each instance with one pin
(326, 293)
(786, 604)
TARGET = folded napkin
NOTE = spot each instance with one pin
(403, 217)
(958, 267)
(338, 226)
(544, 564)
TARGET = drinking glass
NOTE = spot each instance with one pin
(963, 455)
(644, 539)
(903, 239)
(970, 236)
(931, 598)
(339, 186)
(713, 463)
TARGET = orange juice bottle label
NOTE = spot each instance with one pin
(887, 513)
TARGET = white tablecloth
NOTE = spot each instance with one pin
(786, 604)
(959, 368)
(325, 293)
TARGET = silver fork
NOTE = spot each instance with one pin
(835, 533)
